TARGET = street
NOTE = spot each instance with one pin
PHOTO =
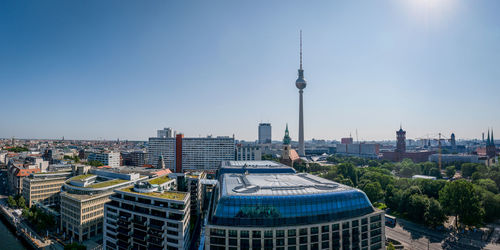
(414, 236)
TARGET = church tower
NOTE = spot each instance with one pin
(401, 140)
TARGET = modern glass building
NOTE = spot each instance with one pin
(290, 211)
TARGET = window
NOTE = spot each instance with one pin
(256, 234)
(325, 229)
(303, 231)
(292, 232)
(244, 234)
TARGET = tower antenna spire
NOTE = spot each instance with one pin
(300, 49)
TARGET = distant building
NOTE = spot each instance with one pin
(147, 216)
(288, 155)
(400, 153)
(453, 143)
(265, 136)
(424, 177)
(195, 153)
(135, 158)
(248, 153)
(165, 133)
(111, 159)
(491, 149)
(368, 150)
(451, 158)
(346, 140)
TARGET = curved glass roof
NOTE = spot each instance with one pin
(283, 209)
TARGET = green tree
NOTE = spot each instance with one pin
(418, 205)
(487, 184)
(348, 170)
(450, 171)
(390, 246)
(21, 202)
(459, 198)
(434, 216)
(95, 163)
(468, 169)
(12, 203)
(374, 191)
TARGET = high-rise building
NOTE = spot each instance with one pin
(195, 153)
(165, 133)
(301, 83)
(265, 133)
(453, 143)
(162, 147)
(266, 210)
(147, 215)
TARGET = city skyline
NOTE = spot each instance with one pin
(96, 71)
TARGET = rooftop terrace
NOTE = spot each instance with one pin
(159, 180)
(165, 195)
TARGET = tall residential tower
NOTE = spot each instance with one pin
(301, 85)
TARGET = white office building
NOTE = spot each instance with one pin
(248, 153)
(203, 153)
(111, 159)
(165, 133)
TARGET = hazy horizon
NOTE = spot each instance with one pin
(124, 69)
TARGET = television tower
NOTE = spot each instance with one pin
(301, 85)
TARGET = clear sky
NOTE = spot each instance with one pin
(123, 69)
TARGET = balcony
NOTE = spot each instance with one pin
(123, 245)
(157, 227)
(124, 238)
(123, 231)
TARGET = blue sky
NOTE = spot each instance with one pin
(122, 69)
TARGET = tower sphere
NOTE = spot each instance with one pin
(301, 83)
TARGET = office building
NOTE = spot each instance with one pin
(44, 188)
(147, 215)
(346, 140)
(290, 211)
(83, 199)
(248, 152)
(265, 136)
(194, 153)
(165, 133)
(368, 150)
(162, 147)
(135, 158)
(111, 159)
(454, 158)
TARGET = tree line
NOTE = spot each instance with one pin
(473, 200)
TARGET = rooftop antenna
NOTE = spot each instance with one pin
(300, 49)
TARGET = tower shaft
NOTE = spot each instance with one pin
(302, 151)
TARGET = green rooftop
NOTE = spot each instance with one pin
(159, 180)
(165, 195)
(81, 177)
(107, 183)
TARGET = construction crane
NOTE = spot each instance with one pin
(439, 138)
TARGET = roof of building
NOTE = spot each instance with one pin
(278, 184)
(159, 180)
(171, 195)
(254, 167)
(285, 199)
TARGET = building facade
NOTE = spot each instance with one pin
(265, 133)
(44, 188)
(146, 216)
(248, 153)
(204, 153)
(291, 211)
(135, 158)
(111, 159)
(83, 199)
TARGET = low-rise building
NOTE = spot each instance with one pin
(44, 188)
(147, 216)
